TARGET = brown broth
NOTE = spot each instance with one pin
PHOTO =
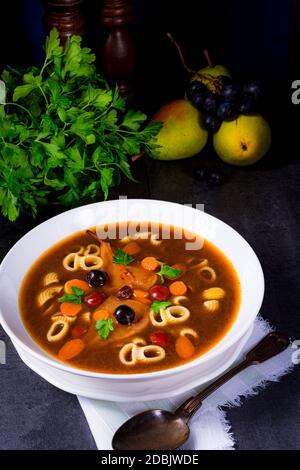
(99, 357)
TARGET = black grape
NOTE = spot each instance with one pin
(210, 102)
(227, 111)
(200, 173)
(195, 87)
(230, 92)
(215, 178)
(247, 104)
(197, 101)
(253, 88)
(211, 123)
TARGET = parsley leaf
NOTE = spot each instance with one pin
(65, 134)
(168, 271)
(120, 257)
(104, 327)
(156, 306)
(133, 119)
(75, 298)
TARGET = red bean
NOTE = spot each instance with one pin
(159, 292)
(124, 293)
(78, 331)
(160, 338)
(95, 299)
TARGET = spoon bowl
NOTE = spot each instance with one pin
(152, 430)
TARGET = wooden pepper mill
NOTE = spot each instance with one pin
(66, 16)
(117, 52)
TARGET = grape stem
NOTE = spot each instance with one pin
(189, 70)
(206, 77)
(208, 58)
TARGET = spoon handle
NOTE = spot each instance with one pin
(271, 345)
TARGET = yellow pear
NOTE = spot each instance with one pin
(209, 73)
(243, 141)
(182, 134)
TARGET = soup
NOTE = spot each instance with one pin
(136, 304)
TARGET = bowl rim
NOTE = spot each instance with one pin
(210, 354)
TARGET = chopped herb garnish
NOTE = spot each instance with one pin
(104, 327)
(168, 271)
(121, 257)
(75, 298)
(157, 306)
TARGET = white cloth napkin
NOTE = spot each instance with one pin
(105, 417)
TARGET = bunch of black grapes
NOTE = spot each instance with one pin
(227, 103)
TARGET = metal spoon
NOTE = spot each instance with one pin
(162, 430)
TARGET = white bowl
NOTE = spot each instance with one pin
(131, 386)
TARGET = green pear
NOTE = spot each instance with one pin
(182, 134)
(243, 141)
(210, 73)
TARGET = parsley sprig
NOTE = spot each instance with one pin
(65, 135)
(157, 306)
(120, 257)
(75, 298)
(104, 327)
(168, 271)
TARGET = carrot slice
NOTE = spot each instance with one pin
(76, 283)
(101, 314)
(150, 263)
(184, 347)
(69, 309)
(132, 248)
(71, 349)
(178, 288)
(144, 301)
(140, 294)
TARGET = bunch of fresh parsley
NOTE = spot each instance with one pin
(64, 134)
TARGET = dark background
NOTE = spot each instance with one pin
(254, 39)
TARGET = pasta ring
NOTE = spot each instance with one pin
(85, 258)
(179, 298)
(139, 353)
(212, 272)
(89, 262)
(200, 265)
(158, 353)
(189, 331)
(71, 262)
(92, 249)
(52, 337)
(169, 316)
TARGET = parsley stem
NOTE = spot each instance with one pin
(44, 95)
(46, 63)
(19, 106)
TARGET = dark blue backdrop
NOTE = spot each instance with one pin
(251, 37)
